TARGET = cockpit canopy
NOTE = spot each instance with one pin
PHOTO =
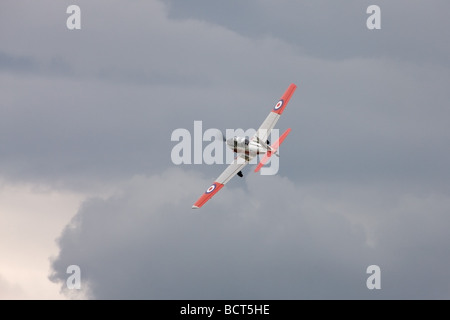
(238, 141)
(242, 141)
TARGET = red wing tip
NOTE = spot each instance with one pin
(194, 207)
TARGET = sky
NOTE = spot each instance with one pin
(87, 178)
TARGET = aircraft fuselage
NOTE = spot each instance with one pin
(246, 146)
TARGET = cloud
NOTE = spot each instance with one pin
(366, 163)
(267, 239)
(10, 291)
(147, 243)
(11, 63)
(414, 236)
(31, 218)
(333, 31)
(127, 86)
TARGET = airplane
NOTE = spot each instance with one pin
(246, 149)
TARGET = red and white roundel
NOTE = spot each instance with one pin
(211, 188)
(279, 104)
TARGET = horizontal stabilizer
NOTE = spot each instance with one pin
(273, 148)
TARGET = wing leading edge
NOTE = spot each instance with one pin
(226, 176)
(266, 127)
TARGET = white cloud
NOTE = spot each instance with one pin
(31, 218)
(10, 291)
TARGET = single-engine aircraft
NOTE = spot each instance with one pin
(246, 149)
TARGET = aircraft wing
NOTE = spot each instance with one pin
(226, 176)
(266, 127)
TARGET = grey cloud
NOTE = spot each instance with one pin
(360, 119)
(18, 64)
(148, 243)
(123, 87)
(27, 65)
(269, 239)
(333, 30)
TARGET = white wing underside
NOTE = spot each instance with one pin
(266, 127)
(232, 170)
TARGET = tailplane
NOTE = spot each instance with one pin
(272, 150)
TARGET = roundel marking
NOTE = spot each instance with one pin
(211, 188)
(279, 104)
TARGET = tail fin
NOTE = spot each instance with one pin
(273, 148)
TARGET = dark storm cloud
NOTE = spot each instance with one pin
(268, 239)
(414, 240)
(147, 243)
(333, 30)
